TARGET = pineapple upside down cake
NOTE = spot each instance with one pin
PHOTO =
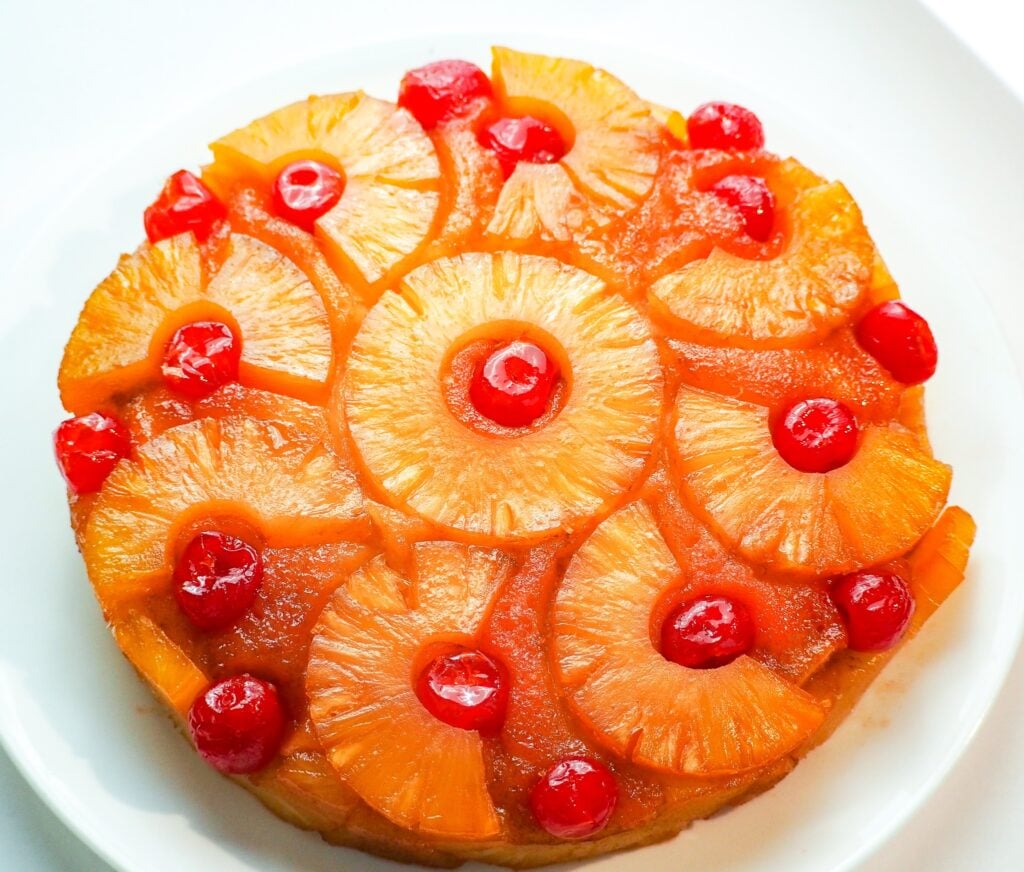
(516, 472)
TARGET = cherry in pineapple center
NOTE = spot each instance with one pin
(505, 386)
(514, 384)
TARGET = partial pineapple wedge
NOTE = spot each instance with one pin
(117, 345)
(282, 480)
(167, 669)
(642, 706)
(938, 563)
(613, 157)
(821, 275)
(414, 769)
(425, 459)
(392, 175)
(870, 510)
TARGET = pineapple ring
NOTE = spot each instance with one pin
(608, 170)
(423, 458)
(392, 175)
(118, 341)
(645, 708)
(822, 274)
(414, 769)
(867, 512)
(285, 480)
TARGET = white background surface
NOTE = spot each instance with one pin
(82, 81)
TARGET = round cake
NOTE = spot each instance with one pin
(517, 472)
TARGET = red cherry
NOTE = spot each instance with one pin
(522, 139)
(724, 126)
(901, 340)
(816, 435)
(88, 448)
(305, 190)
(237, 724)
(442, 90)
(707, 632)
(184, 204)
(876, 608)
(200, 358)
(513, 386)
(749, 196)
(216, 579)
(465, 689)
(575, 798)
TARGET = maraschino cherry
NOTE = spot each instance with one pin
(465, 689)
(237, 724)
(305, 190)
(201, 357)
(816, 435)
(724, 126)
(216, 579)
(575, 798)
(184, 204)
(88, 448)
(876, 607)
(749, 196)
(442, 90)
(514, 384)
(901, 340)
(525, 139)
(707, 632)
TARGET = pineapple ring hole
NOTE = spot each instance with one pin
(520, 107)
(705, 177)
(777, 414)
(681, 590)
(318, 155)
(200, 310)
(472, 347)
(265, 174)
(230, 518)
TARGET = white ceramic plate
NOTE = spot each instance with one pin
(96, 747)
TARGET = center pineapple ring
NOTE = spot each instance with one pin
(550, 478)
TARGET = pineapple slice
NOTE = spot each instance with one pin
(282, 480)
(423, 458)
(392, 175)
(870, 510)
(167, 669)
(117, 345)
(821, 275)
(417, 771)
(654, 712)
(614, 152)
